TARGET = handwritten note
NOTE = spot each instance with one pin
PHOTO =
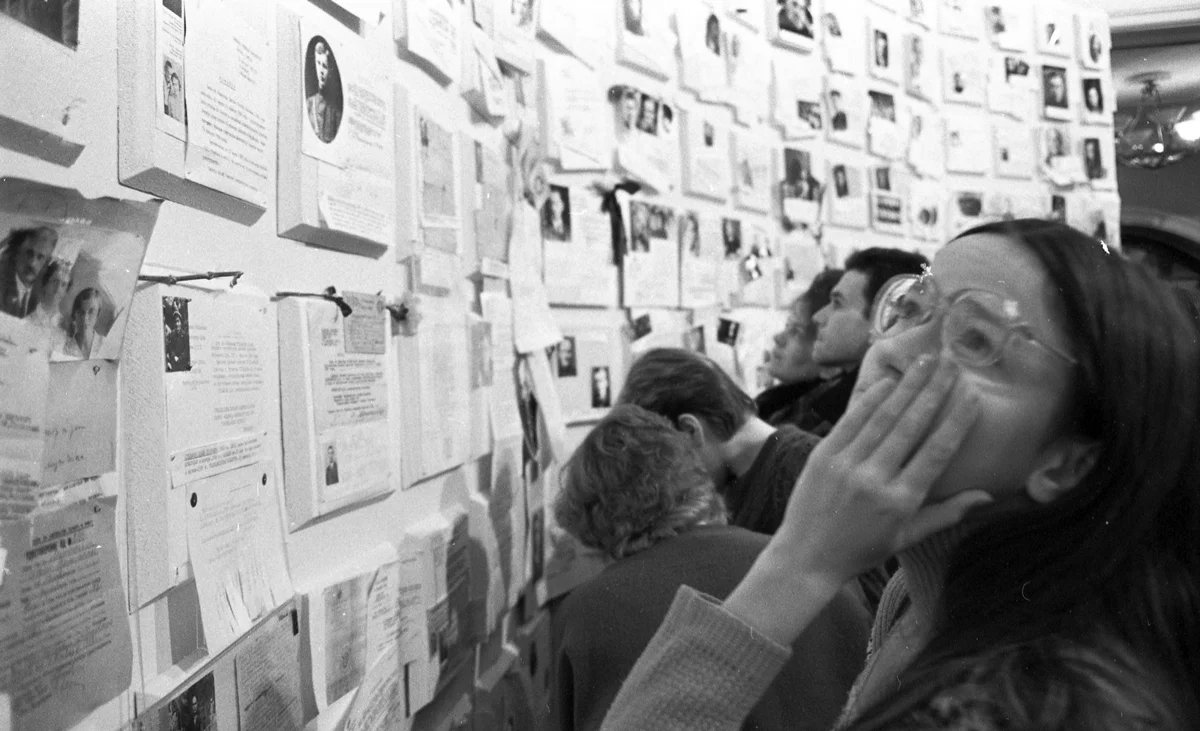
(268, 675)
(81, 420)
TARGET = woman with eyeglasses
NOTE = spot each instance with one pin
(1023, 434)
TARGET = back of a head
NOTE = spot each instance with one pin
(673, 382)
(880, 264)
(1119, 552)
(634, 481)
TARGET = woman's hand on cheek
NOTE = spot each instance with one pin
(861, 498)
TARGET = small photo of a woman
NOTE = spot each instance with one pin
(88, 309)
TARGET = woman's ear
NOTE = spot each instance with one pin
(1061, 467)
(690, 425)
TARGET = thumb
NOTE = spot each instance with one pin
(940, 516)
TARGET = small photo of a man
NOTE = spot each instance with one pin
(556, 214)
(331, 465)
(564, 357)
(601, 390)
(176, 341)
(1054, 87)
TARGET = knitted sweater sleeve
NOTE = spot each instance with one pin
(704, 670)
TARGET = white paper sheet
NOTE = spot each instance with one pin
(379, 701)
(218, 402)
(81, 421)
(968, 145)
(651, 265)
(701, 29)
(168, 54)
(846, 194)
(24, 382)
(506, 511)
(576, 115)
(267, 667)
(748, 88)
(235, 545)
(753, 150)
(505, 415)
(228, 95)
(579, 266)
(434, 33)
(350, 402)
(65, 647)
(706, 139)
(444, 374)
(700, 254)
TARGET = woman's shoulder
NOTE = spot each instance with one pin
(1053, 683)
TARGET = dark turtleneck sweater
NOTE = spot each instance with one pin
(814, 406)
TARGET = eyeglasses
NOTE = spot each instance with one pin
(976, 325)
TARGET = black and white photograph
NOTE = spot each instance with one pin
(639, 239)
(194, 710)
(689, 234)
(712, 34)
(837, 113)
(883, 106)
(728, 331)
(564, 357)
(55, 19)
(1093, 29)
(880, 49)
(1055, 99)
(1056, 145)
(331, 464)
(556, 214)
(1054, 22)
(641, 326)
(841, 184)
(647, 118)
(1093, 162)
(628, 103)
(601, 388)
(917, 79)
(632, 13)
(177, 343)
(799, 181)
(731, 236)
(173, 89)
(693, 339)
(809, 112)
(882, 177)
(963, 75)
(795, 18)
(1093, 96)
(710, 134)
(322, 89)
(1058, 208)
(1014, 66)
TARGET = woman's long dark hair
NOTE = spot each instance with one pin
(1109, 571)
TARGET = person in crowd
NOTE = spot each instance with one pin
(843, 333)
(24, 253)
(84, 342)
(752, 464)
(52, 286)
(635, 490)
(1045, 511)
(791, 363)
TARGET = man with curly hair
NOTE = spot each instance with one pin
(636, 490)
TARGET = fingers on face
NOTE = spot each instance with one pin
(915, 418)
(929, 461)
(881, 425)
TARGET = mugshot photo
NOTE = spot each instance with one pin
(689, 234)
(798, 178)
(632, 14)
(1093, 163)
(601, 388)
(331, 464)
(841, 183)
(731, 236)
(172, 88)
(639, 227)
(177, 343)
(556, 214)
(1093, 96)
(881, 51)
(322, 89)
(712, 35)
(1054, 91)
(647, 118)
(795, 17)
(564, 357)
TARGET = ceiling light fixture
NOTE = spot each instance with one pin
(1151, 138)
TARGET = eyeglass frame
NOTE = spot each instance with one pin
(1012, 324)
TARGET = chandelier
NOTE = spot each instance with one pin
(1156, 136)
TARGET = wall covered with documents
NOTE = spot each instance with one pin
(304, 304)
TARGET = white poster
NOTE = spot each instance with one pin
(433, 33)
(228, 102)
(706, 137)
(752, 155)
(847, 199)
(968, 145)
(1015, 150)
(700, 254)
(650, 266)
